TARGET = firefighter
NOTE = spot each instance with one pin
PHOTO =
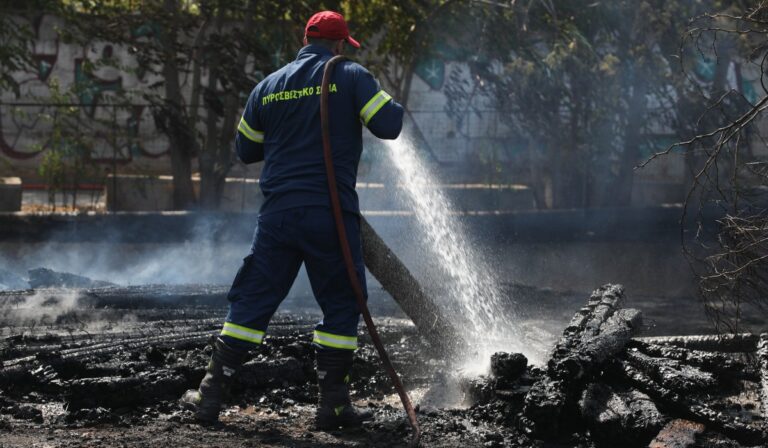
(281, 126)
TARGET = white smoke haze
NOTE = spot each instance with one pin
(43, 307)
(61, 311)
(197, 260)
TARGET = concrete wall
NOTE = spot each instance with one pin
(142, 193)
(122, 138)
(134, 193)
(10, 194)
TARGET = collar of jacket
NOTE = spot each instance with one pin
(314, 49)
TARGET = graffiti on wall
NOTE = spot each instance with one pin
(120, 134)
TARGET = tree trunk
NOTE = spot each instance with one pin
(622, 190)
(211, 183)
(216, 157)
(568, 187)
(181, 169)
(179, 131)
(405, 88)
(537, 180)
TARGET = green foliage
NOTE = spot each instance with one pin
(66, 160)
(397, 34)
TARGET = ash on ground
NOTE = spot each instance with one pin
(109, 370)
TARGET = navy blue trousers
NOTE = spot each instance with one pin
(282, 242)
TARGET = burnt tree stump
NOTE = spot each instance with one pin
(596, 333)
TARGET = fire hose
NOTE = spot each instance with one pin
(347, 253)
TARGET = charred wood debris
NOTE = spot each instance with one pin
(603, 386)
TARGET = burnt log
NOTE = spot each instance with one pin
(398, 281)
(508, 381)
(586, 323)
(671, 373)
(762, 359)
(620, 417)
(479, 391)
(508, 367)
(680, 404)
(614, 334)
(19, 368)
(543, 408)
(725, 343)
(22, 412)
(718, 363)
(146, 388)
(115, 392)
(596, 333)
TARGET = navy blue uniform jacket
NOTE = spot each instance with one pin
(281, 125)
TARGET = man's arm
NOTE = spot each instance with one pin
(249, 141)
(378, 111)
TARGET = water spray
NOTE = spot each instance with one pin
(472, 296)
(347, 253)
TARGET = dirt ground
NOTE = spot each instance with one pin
(111, 377)
(111, 387)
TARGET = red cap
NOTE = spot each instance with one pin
(329, 25)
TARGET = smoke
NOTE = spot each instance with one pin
(203, 256)
(198, 259)
(44, 307)
(61, 310)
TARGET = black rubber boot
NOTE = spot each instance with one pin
(335, 409)
(206, 401)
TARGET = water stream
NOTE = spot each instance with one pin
(474, 299)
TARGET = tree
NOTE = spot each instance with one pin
(158, 34)
(206, 56)
(199, 60)
(398, 34)
(244, 40)
(729, 163)
(575, 80)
